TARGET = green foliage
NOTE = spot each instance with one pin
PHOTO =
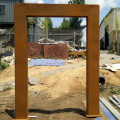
(47, 24)
(41, 56)
(113, 90)
(75, 22)
(110, 89)
(76, 2)
(30, 24)
(3, 65)
(7, 88)
(65, 23)
(102, 88)
(33, 20)
(55, 58)
(35, 58)
(72, 22)
(113, 24)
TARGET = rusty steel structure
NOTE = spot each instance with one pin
(58, 51)
(34, 50)
(21, 12)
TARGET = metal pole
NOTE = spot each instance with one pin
(47, 32)
(9, 36)
(74, 39)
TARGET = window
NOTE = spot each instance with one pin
(2, 8)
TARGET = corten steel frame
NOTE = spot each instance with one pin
(21, 12)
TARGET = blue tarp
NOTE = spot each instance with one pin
(106, 112)
(47, 62)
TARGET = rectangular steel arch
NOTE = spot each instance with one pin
(21, 12)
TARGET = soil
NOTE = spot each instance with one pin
(60, 96)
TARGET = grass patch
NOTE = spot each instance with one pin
(114, 90)
(41, 56)
(109, 89)
(102, 88)
(3, 65)
(7, 88)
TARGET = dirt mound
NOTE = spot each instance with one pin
(111, 77)
(64, 82)
(7, 74)
(115, 61)
(118, 74)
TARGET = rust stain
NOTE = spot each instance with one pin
(59, 51)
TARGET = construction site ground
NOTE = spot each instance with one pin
(60, 92)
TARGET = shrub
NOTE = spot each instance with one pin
(4, 65)
(7, 88)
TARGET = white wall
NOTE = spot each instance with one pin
(102, 31)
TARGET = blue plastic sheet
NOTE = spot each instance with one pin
(47, 62)
(106, 112)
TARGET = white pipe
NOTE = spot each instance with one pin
(113, 101)
(74, 39)
(32, 116)
(110, 108)
(116, 98)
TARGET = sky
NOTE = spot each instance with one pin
(105, 6)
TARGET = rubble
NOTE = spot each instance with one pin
(7, 59)
(108, 67)
(11, 84)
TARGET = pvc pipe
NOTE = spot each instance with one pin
(113, 101)
(116, 98)
(32, 116)
(110, 108)
(101, 80)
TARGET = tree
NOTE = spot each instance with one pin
(75, 22)
(32, 21)
(65, 23)
(76, 2)
(47, 24)
(47, 21)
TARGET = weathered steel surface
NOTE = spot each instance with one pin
(34, 50)
(59, 51)
(21, 12)
(77, 53)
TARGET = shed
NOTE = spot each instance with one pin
(7, 13)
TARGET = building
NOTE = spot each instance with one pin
(7, 23)
(7, 13)
(66, 34)
(110, 31)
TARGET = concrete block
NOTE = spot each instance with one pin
(33, 81)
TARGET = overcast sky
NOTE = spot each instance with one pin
(105, 6)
